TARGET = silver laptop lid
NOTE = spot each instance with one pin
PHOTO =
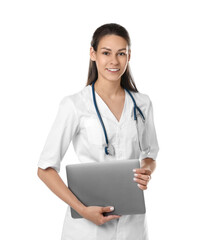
(107, 184)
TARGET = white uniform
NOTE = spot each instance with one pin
(77, 121)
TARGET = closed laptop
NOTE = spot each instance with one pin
(107, 184)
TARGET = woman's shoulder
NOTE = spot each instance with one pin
(76, 98)
(142, 98)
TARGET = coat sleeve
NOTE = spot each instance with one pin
(60, 135)
(150, 135)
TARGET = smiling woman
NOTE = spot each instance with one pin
(113, 41)
(110, 95)
(112, 63)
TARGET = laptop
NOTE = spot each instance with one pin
(107, 184)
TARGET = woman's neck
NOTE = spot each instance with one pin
(110, 89)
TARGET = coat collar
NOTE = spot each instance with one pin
(104, 109)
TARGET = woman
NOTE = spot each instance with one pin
(77, 121)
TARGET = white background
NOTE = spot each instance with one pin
(44, 55)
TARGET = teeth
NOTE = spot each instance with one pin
(113, 69)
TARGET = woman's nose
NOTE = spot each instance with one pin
(114, 60)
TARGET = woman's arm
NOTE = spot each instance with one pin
(54, 182)
(93, 213)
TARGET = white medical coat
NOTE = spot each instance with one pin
(77, 122)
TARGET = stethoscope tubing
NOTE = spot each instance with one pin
(135, 106)
(98, 113)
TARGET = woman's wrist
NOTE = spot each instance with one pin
(81, 209)
(148, 163)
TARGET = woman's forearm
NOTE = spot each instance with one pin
(54, 182)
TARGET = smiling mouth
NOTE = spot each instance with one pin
(113, 70)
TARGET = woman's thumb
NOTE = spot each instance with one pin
(107, 209)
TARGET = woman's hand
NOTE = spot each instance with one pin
(142, 177)
(95, 214)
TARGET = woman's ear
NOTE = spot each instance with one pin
(92, 54)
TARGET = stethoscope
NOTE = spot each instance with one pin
(109, 149)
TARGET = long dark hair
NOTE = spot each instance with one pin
(108, 29)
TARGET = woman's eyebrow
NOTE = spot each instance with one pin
(111, 50)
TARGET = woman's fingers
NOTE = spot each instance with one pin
(142, 177)
(142, 187)
(109, 217)
(142, 171)
(94, 214)
(140, 181)
(107, 209)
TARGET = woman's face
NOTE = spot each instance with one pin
(111, 57)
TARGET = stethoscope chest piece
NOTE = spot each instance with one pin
(109, 150)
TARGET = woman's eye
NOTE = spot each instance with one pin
(105, 53)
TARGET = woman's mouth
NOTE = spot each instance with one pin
(113, 70)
